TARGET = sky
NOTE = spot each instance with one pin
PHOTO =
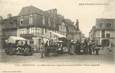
(72, 9)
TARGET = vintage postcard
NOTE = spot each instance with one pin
(57, 36)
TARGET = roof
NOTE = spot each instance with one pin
(111, 19)
(105, 24)
(10, 23)
(30, 10)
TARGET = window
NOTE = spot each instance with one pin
(38, 30)
(105, 42)
(108, 35)
(100, 25)
(21, 21)
(15, 21)
(42, 31)
(45, 30)
(49, 21)
(54, 24)
(103, 34)
(43, 20)
(23, 31)
(108, 25)
(30, 20)
(63, 27)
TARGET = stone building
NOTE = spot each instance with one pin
(9, 28)
(73, 31)
(104, 32)
(1, 32)
(34, 24)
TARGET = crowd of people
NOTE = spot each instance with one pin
(69, 47)
(84, 47)
(19, 48)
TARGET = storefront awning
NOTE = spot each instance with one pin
(12, 39)
(58, 35)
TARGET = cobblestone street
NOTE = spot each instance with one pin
(61, 59)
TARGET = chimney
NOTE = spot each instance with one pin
(1, 18)
(9, 15)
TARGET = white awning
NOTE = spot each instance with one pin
(12, 39)
(57, 34)
(17, 38)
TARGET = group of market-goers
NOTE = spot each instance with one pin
(22, 47)
(69, 47)
(19, 48)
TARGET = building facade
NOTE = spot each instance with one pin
(104, 32)
(1, 32)
(92, 32)
(36, 24)
(73, 31)
(8, 28)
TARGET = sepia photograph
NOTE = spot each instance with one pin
(57, 32)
